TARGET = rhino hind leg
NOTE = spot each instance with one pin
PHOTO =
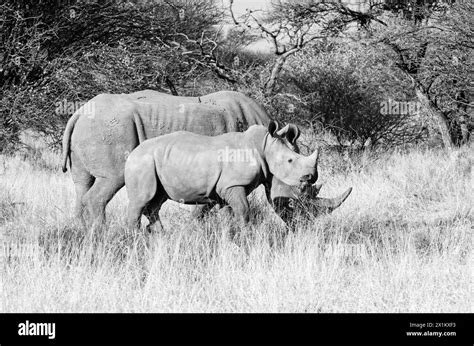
(81, 187)
(83, 181)
(96, 199)
(142, 183)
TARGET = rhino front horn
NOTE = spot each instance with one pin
(327, 205)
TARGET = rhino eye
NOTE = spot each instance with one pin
(290, 160)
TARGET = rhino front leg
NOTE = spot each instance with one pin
(237, 200)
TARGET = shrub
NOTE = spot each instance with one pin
(69, 52)
(342, 88)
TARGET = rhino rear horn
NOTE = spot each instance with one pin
(329, 204)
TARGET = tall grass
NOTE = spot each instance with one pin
(402, 242)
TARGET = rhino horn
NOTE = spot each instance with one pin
(329, 204)
(313, 158)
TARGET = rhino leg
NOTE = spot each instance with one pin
(152, 212)
(98, 196)
(237, 200)
(142, 184)
(83, 181)
(134, 215)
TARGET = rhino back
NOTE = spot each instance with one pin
(156, 96)
(162, 118)
(252, 112)
(213, 114)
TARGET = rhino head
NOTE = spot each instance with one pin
(284, 162)
(287, 199)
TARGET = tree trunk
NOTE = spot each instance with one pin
(465, 135)
(276, 70)
(443, 120)
(463, 116)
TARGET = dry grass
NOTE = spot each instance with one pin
(409, 218)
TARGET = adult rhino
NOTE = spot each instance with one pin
(191, 168)
(101, 134)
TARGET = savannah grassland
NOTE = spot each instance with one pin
(409, 220)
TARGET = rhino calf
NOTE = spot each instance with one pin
(196, 169)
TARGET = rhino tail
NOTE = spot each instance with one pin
(139, 128)
(67, 138)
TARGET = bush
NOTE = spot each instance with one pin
(342, 88)
(56, 53)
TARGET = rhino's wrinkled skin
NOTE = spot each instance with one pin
(190, 168)
(101, 134)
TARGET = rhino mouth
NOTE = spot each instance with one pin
(306, 182)
(309, 178)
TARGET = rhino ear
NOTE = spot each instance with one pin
(273, 128)
(293, 133)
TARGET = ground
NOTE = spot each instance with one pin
(402, 242)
